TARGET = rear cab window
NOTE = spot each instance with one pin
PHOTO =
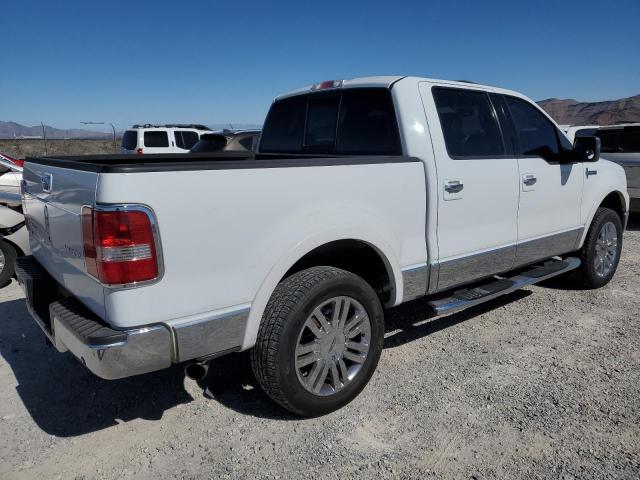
(156, 138)
(359, 121)
(130, 140)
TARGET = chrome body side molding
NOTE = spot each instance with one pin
(459, 271)
(545, 247)
(472, 267)
(414, 280)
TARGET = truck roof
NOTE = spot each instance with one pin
(387, 81)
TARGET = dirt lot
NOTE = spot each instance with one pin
(544, 383)
(21, 148)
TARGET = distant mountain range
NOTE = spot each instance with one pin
(572, 112)
(15, 130)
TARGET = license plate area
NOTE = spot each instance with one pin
(40, 289)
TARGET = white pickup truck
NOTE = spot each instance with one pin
(364, 194)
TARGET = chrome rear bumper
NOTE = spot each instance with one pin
(113, 353)
(69, 325)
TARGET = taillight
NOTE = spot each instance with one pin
(119, 244)
(139, 151)
(15, 161)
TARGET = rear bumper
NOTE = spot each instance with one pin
(69, 325)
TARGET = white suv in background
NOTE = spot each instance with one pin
(177, 138)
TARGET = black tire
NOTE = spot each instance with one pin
(292, 302)
(586, 275)
(9, 253)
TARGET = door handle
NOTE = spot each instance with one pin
(529, 180)
(591, 172)
(453, 187)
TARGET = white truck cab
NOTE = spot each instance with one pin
(147, 138)
(363, 194)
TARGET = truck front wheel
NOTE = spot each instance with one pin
(319, 341)
(600, 253)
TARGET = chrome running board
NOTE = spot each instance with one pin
(496, 287)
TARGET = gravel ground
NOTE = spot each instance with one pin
(543, 383)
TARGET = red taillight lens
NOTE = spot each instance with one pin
(15, 161)
(119, 245)
(139, 151)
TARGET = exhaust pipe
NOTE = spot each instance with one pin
(197, 370)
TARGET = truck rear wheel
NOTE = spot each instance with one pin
(320, 340)
(7, 258)
(600, 253)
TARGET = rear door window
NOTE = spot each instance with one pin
(157, 139)
(186, 138)
(536, 134)
(469, 123)
(130, 140)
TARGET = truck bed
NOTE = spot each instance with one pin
(223, 221)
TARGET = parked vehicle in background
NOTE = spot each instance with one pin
(14, 238)
(176, 138)
(620, 144)
(364, 193)
(572, 129)
(228, 141)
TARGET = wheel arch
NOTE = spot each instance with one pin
(616, 201)
(349, 252)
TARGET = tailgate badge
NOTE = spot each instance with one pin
(47, 182)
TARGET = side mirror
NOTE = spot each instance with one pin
(587, 149)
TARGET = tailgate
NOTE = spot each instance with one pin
(53, 201)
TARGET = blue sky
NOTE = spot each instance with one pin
(214, 62)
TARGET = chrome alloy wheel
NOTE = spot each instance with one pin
(332, 345)
(606, 250)
(2, 261)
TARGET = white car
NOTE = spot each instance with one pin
(14, 238)
(177, 138)
(620, 144)
(363, 194)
